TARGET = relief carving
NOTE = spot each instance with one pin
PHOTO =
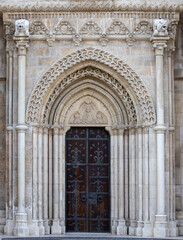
(160, 27)
(117, 28)
(91, 28)
(64, 28)
(38, 28)
(88, 114)
(21, 27)
(143, 28)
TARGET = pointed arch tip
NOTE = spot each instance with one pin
(97, 55)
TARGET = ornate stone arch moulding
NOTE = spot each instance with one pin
(105, 58)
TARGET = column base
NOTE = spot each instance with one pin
(132, 227)
(121, 228)
(33, 228)
(9, 227)
(139, 228)
(62, 224)
(114, 227)
(41, 228)
(147, 230)
(47, 227)
(161, 226)
(56, 228)
(173, 230)
(21, 228)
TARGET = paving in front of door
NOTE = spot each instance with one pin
(79, 236)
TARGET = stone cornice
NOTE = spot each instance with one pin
(90, 5)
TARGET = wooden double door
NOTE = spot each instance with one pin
(87, 180)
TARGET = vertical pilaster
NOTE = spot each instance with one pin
(160, 230)
(121, 228)
(50, 164)
(22, 39)
(132, 181)
(126, 155)
(56, 228)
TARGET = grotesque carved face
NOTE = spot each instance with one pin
(22, 27)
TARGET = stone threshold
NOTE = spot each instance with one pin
(82, 236)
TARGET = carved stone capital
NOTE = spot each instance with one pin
(22, 45)
(160, 129)
(159, 45)
(21, 128)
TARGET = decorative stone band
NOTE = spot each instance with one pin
(88, 5)
(96, 55)
(160, 129)
(21, 128)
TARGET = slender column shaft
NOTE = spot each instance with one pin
(132, 175)
(55, 177)
(45, 173)
(126, 174)
(63, 183)
(10, 83)
(146, 174)
(40, 175)
(50, 174)
(34, 175)
(140, 170)
(60, 174)
(116, 209)
(121, 174)
(159, 46)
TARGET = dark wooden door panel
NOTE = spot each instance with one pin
(87, 180)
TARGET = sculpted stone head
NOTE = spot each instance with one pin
(21, 27)
(160, 27)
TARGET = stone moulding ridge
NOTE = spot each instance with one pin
(88, 5)
(97, 55)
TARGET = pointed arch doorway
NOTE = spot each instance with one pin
(87, 180)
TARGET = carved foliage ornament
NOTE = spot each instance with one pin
(99, 56)
(97, 73)
(38, 28)
(64, 28)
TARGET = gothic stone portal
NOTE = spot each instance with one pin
(87, 180)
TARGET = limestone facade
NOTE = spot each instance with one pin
(116, 65)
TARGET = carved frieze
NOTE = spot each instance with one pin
(38, 28)
(64, 28)
(143, 28)
(91, 28)
(117, 28)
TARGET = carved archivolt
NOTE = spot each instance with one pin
(97, 55)
(99, 74)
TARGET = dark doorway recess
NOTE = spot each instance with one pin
(87, 180)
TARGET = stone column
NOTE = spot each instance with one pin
(173, 230)
(114, 178)
(126, 149)
(61, 179)
(159, 41)
(147, 229)
(50, 173)
(45, 179)
(132, 181)
(35, 180)
(56, 228)
(121, 227)
(21, 38)
(140, 182)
